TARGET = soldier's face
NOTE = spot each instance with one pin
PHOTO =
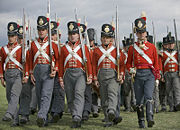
(106, 40)
(166, 46)
(74, 37)
(54, 37)
(20, 40)
(141, 36)
(171, 46)
(91, 43)
(42, 33)
(12, 39)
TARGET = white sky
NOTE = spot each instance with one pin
(98, 12)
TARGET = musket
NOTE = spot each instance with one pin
(82, 45)
(86, 34)
(167, 29)
(178, 51)
(29, 33)
(117, 44)
(24, 42)
(58, 39)
(133, 40)
(154, 36)
(49, 35)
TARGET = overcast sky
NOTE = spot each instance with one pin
(98, 12)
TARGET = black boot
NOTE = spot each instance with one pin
(140, 114)
(149, 113)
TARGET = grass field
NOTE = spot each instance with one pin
(163, 121)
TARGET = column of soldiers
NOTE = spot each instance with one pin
(76, 69)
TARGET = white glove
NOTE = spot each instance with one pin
(132, 71)
(157, 83)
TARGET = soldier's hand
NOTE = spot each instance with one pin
(62, 85)
(162, 80)
(89, 81)
(25, 80)
(157, 83)
(33, 79)
(96, 83)
(53, 73)
(3, 82)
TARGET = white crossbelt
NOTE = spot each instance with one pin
(170, 56)
(41, 50)
(10, 57)
(141, 52)
(125, 53)
(73, 53)
(106, 54)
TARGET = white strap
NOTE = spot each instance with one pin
(73, 53)
(141, 52)
(106, 54)
(10, 56)
(170, 56)
(41, 50)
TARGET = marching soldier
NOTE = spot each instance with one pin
(57, 102)
(43, 69)
(142, 63)
(95, 91)
(162, 87)
(87, 96)
(105, 72)
(170, 70)
(25, 97)
(13, 72)
(129, 96)
(73, 72)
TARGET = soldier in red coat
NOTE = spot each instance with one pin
(43, 69)
(170, 71)
(12, 71)
(72, 73)
(142, 63)
(105, 73)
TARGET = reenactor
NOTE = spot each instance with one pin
(13, 72)
(129, 96)
(75, 72)
(95, 90)
(57, 102)
(142, 64)
(43, 67)
(171, 75)
(25, 97)
(105, 73)
(87, 96)
(162, 87)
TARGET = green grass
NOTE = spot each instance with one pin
(163, 121)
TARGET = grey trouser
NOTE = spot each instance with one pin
(13, 79)
(162, 94)
(57, 102)
(144, 86)
(88, 99)
(108, 89)
(172, 81)
(33, 104)
(156, 97)
(129, 96)
(25, 99)
(94, 101)
(75, 84)
(44, 88)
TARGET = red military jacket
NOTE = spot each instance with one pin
(11, 58)
(40, 53)
(169, 61)
(140, 62)
(107, 59)
(71, 57)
